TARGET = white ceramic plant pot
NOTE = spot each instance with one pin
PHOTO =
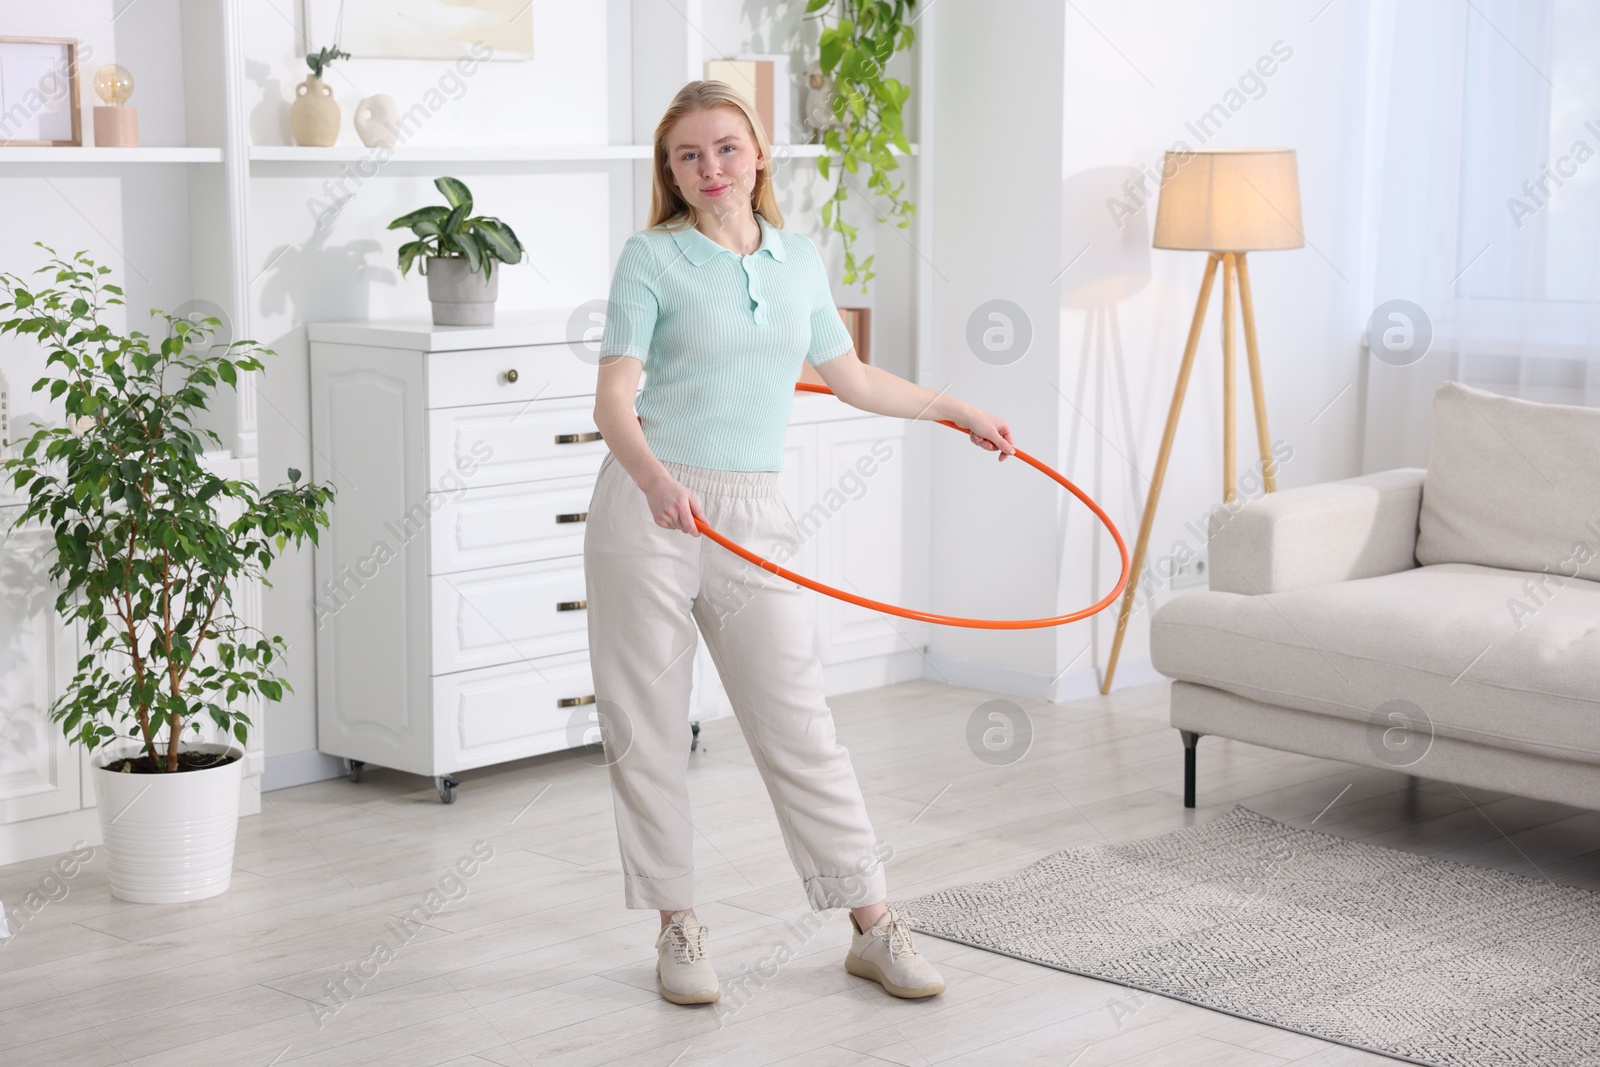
(169, 837)
(460, 298)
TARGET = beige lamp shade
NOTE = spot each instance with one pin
(1229, 200)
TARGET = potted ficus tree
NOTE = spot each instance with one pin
(458, 253)
(145, 564)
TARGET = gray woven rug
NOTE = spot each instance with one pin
(1421, 959)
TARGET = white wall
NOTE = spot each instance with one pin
(1012, 122)
(1138, 77)
(996, 115)
(572, 218)
(1022, 216)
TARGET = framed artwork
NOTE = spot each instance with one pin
(39, 91)
(421, 29)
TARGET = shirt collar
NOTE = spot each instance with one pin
(700, 249)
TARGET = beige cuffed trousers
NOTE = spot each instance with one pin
(648, 588)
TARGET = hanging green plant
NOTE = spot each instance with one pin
(856, 49)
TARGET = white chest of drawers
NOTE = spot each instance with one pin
(451, 627)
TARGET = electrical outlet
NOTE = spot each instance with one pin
(1192, 572)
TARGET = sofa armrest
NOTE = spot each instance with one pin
(1333, 532)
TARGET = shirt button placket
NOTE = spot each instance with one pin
(753, 287)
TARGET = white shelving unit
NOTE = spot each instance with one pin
(486, 153)
(213, 56)
(27, 154)
(448, 153)
(196, 221)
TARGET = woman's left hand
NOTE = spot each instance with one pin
(990, 432)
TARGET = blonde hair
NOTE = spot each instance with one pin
(668, 209)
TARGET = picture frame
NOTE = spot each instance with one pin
(39, 100)
(420, 29)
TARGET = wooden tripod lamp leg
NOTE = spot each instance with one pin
(1167, 435)
(1230, 468)
(1269, 473)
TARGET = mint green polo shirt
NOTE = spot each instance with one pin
(721, 336)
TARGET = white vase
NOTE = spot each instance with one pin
(375, 119)
(460, 297)
(169, 837)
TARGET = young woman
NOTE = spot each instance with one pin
(721, 305)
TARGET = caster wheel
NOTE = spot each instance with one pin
(447, 788)
(355, 766)
(694, 743)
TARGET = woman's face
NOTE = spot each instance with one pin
(714, 160)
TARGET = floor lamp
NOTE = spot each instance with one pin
(1226, 203)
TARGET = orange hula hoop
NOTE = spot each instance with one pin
(928, 616)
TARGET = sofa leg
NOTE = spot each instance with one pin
(1190, 740)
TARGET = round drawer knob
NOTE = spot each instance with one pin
(511, 375)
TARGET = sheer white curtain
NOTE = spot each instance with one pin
(1483, 204)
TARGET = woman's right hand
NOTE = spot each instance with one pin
(672, 505)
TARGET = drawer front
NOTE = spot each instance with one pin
(498, 444)
(506, 614)
(508, 375)
(505, 713)
(502, 524)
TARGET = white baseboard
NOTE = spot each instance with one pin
(1036, 685)
(48, 835)
(299, 768)
(302, 768)
(870, 673)
(1135, 672)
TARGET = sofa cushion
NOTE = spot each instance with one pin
(1316, 534)
(1511, 484)
(1486, 654)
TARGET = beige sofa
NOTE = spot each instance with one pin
(1443, 622)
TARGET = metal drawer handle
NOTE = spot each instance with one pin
(576, 438)
(571, 605)
(573, 702)
(573, 516)
(511, 375)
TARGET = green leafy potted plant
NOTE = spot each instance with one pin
(146, 565)
(314, 114)
(865, 112)
(458, 253)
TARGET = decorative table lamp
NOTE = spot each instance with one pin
(1225, 202)
(115, 125)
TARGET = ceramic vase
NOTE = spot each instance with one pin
(314, 116)
(375, 120)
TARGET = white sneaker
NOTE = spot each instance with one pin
(683, 970)
(884, 953)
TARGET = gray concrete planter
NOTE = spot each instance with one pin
(460, 298)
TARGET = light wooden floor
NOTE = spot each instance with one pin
(539, 962)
